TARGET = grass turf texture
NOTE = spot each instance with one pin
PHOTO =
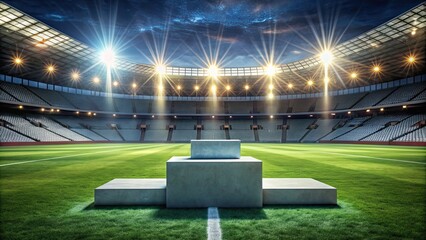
(51, 199)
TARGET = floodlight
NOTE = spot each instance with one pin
(160, 69)
(42, 109)
(376, 68)
(228, 87)
(134, 116)
(382, 109)
(179, 87)
(96, 80)
(212, 71)
(115, 83)
(310, 83)
(270, 95)
(134, 85)
(75, 75)
(271, 86)
(108, 57)
(270, 70)
(404, 107)
(246, 87)
(212, 116)
(354, 75)
(271, 116)
(411, 59)
(50, 68)
(290, 85)
(196, 87)
(326, 57)
(113, 115)
(17, 61)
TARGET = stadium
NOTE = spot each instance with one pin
(346, 109)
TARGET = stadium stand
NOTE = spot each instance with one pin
(54, 98)
(297, 128)
(22, 94)
(269, 131)
(56, 128)
(397, 129)
(418, 135)
(237, 107)
(404, 94)
(348, 126)
(372, 98)
(6, 96)
(123, 105)
(7, 135)
(28, 129)
(370, 127)
(324, 126)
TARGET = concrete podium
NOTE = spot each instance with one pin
(214, 182)
(215, 149)
(215, 176)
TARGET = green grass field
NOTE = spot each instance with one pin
(49, 193)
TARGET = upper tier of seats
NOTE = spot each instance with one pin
(48, 98)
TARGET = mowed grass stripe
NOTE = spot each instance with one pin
(73, 155)
(316, 149)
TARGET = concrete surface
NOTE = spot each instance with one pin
(297, 191)
(215, 149)
(193, 183)
(132, 192)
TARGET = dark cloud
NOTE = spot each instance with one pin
(189, 26)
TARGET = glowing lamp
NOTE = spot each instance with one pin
(107, 56)
(326, 57)
(17, 61)
(270, 70)
(75, 75)
(212, 71)
(160, 69)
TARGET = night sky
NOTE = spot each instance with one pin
(238, 32)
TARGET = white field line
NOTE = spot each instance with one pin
(74, 155)
(349, 155)
(213, 224)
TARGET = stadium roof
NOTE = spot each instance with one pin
(387, 45)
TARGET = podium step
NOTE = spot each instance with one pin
(305, 191)
(132, 191)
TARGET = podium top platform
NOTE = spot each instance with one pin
(215, 149)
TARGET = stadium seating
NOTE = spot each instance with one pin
(26, 128)
(404, 94)
(373, 98)
(57, 128)
(6, 96)
(370, 127)
(297, 128)
(22, 94)
(54, 98)
(324, 127)
(400, 128)
(349, 126)
(269, 131)
(7, 135)
(418, 135)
